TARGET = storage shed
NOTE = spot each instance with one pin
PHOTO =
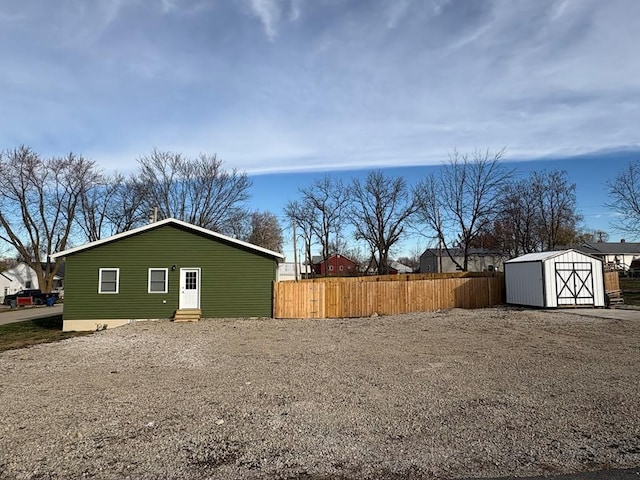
(566, 278)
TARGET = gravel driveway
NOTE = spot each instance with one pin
(433, 395)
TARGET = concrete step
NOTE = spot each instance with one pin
(187, 315)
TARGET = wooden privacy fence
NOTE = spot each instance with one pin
(611, 281)
(365, 296)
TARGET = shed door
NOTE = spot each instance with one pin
(574, 283)
(189, 288)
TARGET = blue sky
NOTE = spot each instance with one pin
(287, 89)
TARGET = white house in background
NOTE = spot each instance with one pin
(23, 277)
(399, 268)
(17, 278)
(615, 255)
(287, 271)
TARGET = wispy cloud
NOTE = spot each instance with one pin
(272, 13)
(268, 11)
(287, 85)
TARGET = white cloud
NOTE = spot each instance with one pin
(295, 11)
(268, 11)
(339, 83)
(396, 11)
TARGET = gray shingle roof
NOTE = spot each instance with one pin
(611, 248)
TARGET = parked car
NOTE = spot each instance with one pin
(38, 297)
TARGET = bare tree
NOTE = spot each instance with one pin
(624, 198)
(555, 199)
(591, 237)
(110, 206)
(325, 202)
(538, 213)
(413, 258)
(7, 263)
(355, 253)
(381, 209)
(38, 202)
(266, 231)
(239, 225)
(516, 231)
(302, 217)
(198, 191)
(462, 199)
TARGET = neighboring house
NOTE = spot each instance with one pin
(336, 265)
(164, 269)
(616, 256)
(287, 271)
(396, 268)
(433, 260)
(23, 277)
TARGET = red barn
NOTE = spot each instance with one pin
(336, 265)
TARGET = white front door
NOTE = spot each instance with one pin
(189, 288)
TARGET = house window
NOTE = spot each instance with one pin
(331, 268)
(341, 268)
(158, 280)
(27, 284)
(109, 280)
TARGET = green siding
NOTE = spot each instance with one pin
(235, 282)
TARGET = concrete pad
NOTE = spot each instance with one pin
(609, 313)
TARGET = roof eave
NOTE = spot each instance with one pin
(278, 256)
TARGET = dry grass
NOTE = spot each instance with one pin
(32, 332)
(630, 290)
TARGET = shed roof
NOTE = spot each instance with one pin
(541, 256)
(174, 222)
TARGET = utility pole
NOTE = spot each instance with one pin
(295, 252)
(439, 243)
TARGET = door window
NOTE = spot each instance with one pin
(191, 280)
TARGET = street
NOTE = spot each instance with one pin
(21, 314)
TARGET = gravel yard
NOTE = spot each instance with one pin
(449, 394)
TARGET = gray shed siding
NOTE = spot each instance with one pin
(525, 283)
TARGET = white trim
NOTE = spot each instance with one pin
(541, 256)
(166, 280)
(168, 221)
(117, 270)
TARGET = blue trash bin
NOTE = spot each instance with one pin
(50, 301)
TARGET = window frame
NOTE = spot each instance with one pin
(109, 269)
(166, 279)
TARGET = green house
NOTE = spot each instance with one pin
(164, 270)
